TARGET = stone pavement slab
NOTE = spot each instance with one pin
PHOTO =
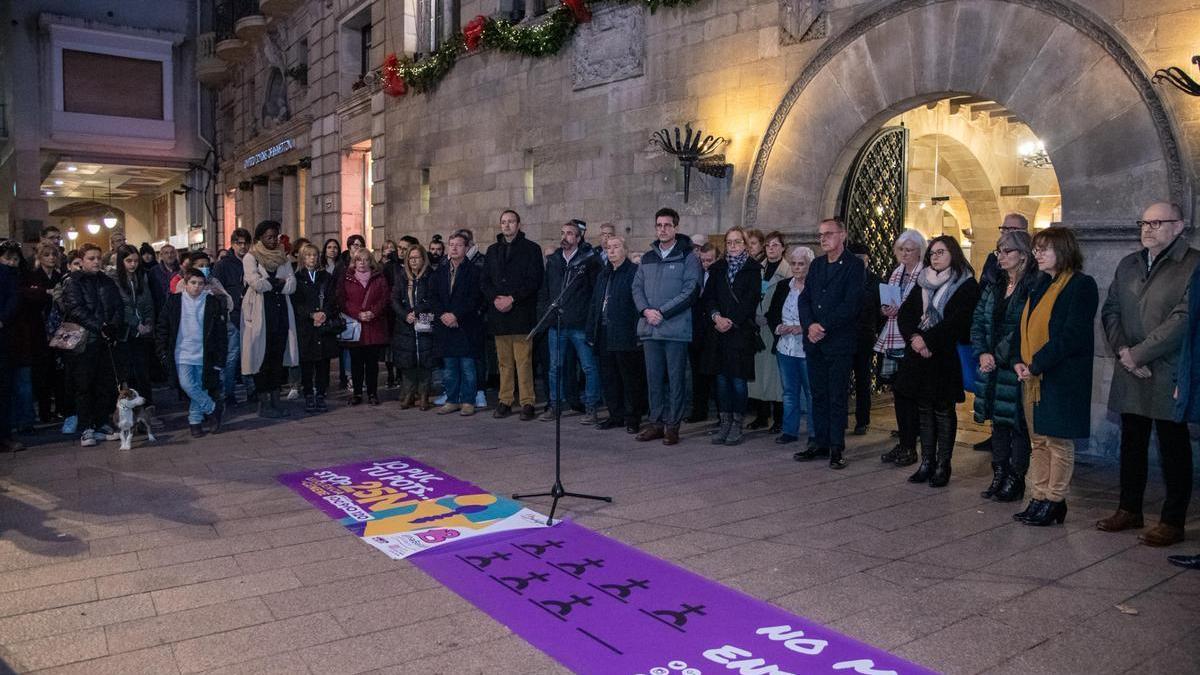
(187, 556)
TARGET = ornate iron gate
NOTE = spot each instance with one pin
(875, 195)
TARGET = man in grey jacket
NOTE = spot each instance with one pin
(665, 286)
(1145, 320)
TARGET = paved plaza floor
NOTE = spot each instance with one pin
(187, 556)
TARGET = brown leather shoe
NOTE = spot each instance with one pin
(1162, 535)
(1121, 520)
(671, 435)
(650, 432)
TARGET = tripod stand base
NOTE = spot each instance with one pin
(556, 493)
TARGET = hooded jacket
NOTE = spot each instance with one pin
(670, 285)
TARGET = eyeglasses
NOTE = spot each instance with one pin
(938, 252)
(1004, 251)
(1156, 224)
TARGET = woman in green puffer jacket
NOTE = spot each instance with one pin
(997, 391)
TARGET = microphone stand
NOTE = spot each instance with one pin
(557, 491)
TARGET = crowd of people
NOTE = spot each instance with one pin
(644, 342)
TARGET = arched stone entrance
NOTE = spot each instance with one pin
(1050, 63)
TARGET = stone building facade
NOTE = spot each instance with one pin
(797, 87)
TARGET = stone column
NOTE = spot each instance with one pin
(260, 201)
(291, 209)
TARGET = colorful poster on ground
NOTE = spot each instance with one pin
(401, 506)
(599, 606)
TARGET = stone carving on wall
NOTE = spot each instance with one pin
(802, 20)
(610, 48)
(275, 108)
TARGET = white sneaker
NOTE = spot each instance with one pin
(441, 400)
(70, 425)
(88, 439)
(480, 400)
(294, 394)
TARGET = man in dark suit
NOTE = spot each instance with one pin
(829, 309)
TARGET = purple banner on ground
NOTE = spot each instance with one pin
(358, 493)
(599, 606)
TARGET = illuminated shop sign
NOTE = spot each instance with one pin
(273, 151)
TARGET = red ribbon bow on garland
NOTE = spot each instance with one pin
(579, 9)
(393, 84)
(473, 33)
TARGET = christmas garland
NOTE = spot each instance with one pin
(544, 38)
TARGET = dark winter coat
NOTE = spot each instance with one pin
(670, 285)
(1065, 362)
(584, 269)
(93, 301)
(1187, 378)
(26, 328)
(138, 302)
(731, 353)
(870, 315)
(160, 283)
(314, 295)
(216, 342)
(229, 272)
(411, 349)
(620, 315)
(511, 269)
(353, 299)
(938, 378)
(998, 393)
(832, 297)
(9, 298)
(465, 302)
(1146, 311)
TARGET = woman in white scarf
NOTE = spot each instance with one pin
(268, 324)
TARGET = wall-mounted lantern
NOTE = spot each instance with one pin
(693, 150)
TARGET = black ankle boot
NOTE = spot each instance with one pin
(890, 456)
(1031, 508)
(924, 471)
(1048, 514)
(906, 457)
(1013, 488)
(998, 475)
(941, 474)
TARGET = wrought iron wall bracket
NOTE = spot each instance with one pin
(1178, 78)
(693, 149)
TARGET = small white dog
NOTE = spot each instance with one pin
(131, 411)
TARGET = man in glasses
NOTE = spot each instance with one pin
(1145, 319)
(829, 308)
(665, 286)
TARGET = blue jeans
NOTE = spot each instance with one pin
(731, 394)
(575, 338)
(458, 377)
(666, 360)
(22, 400)
(191, 381)
(797, 394)
(232, 358)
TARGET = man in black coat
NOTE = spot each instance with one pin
(702, 384)
(829, 308)
(191, 340)
(512, 275)
(571, 271)
(458, 325)
(870, 320)
(612, 329)
(228, 271)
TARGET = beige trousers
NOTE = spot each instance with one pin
(515, 357)
(1051, 462)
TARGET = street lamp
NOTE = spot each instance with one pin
(1033, 154)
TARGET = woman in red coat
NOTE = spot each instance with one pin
(364, 294)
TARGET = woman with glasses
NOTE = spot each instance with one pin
(910, 250)
(1056, 342)
(933, 322)
(767, 388)
(730, 301)
(997, 390)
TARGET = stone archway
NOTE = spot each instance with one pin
(1057, 68)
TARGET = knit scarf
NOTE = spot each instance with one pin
(362, 277)
(269, 258)
(936, 290)
(735, 263)
(1035, 331)
(412, 284)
